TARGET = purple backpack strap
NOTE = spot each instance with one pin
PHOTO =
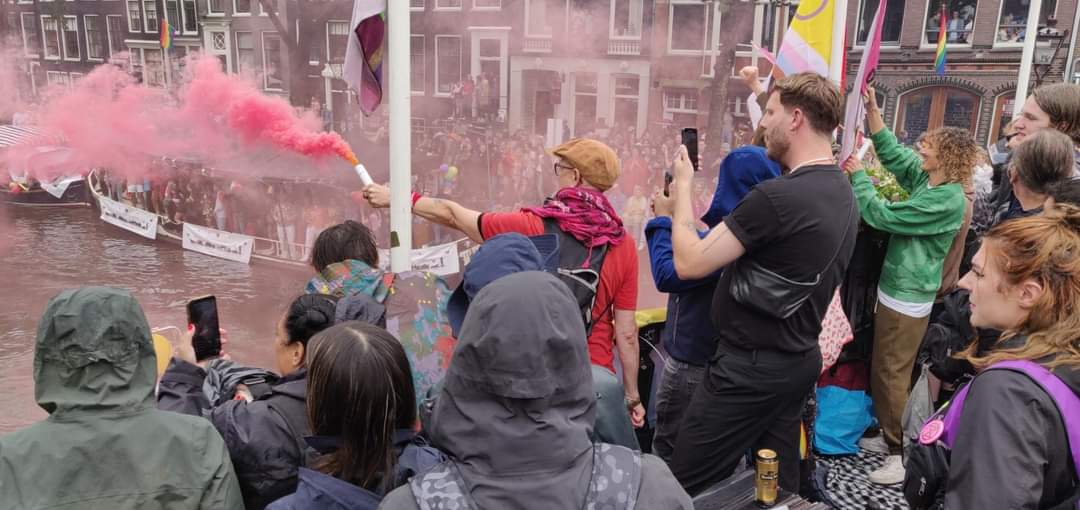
(1067, 402)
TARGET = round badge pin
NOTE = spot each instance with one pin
(932, 431)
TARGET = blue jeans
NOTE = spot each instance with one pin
(672, 399)
(612, 419)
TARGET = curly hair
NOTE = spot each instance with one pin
(958, 153)
(1046, 249)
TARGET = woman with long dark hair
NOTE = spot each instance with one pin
(361, 410)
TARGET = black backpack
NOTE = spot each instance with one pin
(579, 269)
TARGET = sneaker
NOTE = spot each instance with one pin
(891, 473)
(874, 444)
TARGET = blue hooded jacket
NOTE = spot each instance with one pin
(690, 336)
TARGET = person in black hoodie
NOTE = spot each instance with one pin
(265, 436)
(1011, 448)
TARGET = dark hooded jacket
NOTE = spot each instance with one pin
(691, 336)
(104, 444)
(517, 405)
(266, 436)
(1011, 448)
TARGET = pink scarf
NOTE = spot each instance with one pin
(585, 214)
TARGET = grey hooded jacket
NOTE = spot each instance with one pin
(104, 444)
(517, 405)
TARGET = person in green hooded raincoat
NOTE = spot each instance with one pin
(105, 445)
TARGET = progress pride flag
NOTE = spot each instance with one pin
(856, 110)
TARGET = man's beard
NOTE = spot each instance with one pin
(776, 145)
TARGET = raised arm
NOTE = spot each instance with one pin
(695, 257)
(443, 212)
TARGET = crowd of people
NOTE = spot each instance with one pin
(538, 406)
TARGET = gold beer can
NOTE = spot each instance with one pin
(767, 478)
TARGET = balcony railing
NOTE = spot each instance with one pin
(537, 45)
(624, 47)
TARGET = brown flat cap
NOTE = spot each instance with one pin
(598, 164)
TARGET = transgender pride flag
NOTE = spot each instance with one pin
(364, 53)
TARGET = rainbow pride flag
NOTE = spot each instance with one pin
(943, 37)
(166, 35)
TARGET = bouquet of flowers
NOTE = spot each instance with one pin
(885, 183)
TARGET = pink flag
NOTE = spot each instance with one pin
(364, 53)
(856, 110)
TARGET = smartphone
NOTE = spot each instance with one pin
(689, 139)
(206, 331)
(668, 178)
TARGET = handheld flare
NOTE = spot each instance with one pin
(361, 172)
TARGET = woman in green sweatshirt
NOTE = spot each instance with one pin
(923, 228)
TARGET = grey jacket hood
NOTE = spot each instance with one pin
(94, 353)
(518, 405)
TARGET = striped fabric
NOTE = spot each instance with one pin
(11, 136)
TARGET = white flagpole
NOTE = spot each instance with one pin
(1031, 35)
(397, 66)
(836, 57)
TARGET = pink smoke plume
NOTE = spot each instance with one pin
(111, 121)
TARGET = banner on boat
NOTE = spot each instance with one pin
(443, 260)
(132, 219)
(216, 243)
(59, 186)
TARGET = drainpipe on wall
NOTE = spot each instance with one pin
(1072, 48)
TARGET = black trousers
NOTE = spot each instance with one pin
(749, 400)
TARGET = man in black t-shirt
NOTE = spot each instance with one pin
(798, 226)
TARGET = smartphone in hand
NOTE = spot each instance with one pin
(690, 140)
(206, 331)
(668, 178)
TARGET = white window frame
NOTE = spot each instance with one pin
(326, 45)
(640, 22)
(925, 43)
(44, 46)
(236, 49)
(281, 65)
(74, 76)
(418, 9)
(54, 77)
(238, 14)
(487, 8)
(884, 45)
(212, 13)
(615, 96)
(705, 27)
(86, 35)
(26, 44)
(452, 9)
(25, 2)
(461, 62)
(127, 14)
(183, 17)
(997, 26)
(108, 34)
(544, 36)
(150, 29)
(682, 109)
(423, 68)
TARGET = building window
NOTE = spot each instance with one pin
(154, 67)
(150, 21)
(448, 4)
(245, 52)
(890, 26)
(416, 5)
(625, 105)
(70, 38)
(337, 39)
(274, 78)
(50, 32)
(74, 77)
(585, 92)
(31, 41)
(447, 63)
(191, 17)
(539, 17)
(1003, 110)
(95, 37)
(114, 25)
(487, 4)
(56, 78)
(626, 18)
(134, 14)
(686, 26)
(172, 14)
(680, 106)
(960, 18)
(241, 7)
(929, 108)
(215, 7)
(416, 63)
(1012, 21)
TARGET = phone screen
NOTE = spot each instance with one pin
(689, 139)
(206, 337)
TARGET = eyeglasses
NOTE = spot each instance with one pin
(561, 166)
